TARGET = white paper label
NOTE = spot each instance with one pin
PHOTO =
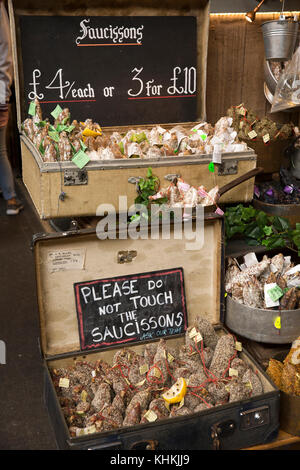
(250, 259)
(293, 270)
(63, 260)
(217, 153)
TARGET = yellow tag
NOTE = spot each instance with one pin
(238, 346)
(233, 372)
(83, 395)
(193, 333)
(249, 385)
(242, 111)
(143, 369)
(170, 358)
(156, 372)
(140, 383)
(198, 337)
(64, 383)
(88, 430)
(252, 134)
(150, 416)
(266, 138)
(277, 323)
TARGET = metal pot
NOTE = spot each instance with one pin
(258, 324)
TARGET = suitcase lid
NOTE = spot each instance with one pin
(16, 8)
(64, 259)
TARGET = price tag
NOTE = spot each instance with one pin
(193, 333)
(198, 337)
(268, 300)
(170, 358)
(266, 138)
(238, 346)
(211, 167)
(32, 108)
(275, 293)
(277, 323)
(56, 112)
(150, 416)
(233, 372)
(252, 134)
(242, 111)
(217, 153)
(80, 159)
(64, 382)
(143, 369)
(219, 211)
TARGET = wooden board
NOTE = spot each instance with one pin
(235, 67)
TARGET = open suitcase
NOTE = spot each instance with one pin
(61, 189)
(80, 257)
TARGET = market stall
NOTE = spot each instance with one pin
(150, 338)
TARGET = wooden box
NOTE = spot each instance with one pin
(61, 189)
(233, 425)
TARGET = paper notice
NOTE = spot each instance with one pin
(64, 260)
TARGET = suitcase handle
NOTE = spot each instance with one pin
(144, 445)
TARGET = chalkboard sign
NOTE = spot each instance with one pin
(114, 70)
(130, 309)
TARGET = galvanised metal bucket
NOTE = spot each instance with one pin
(280, 38)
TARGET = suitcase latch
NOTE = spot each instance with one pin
(126, 256)
(219, 430)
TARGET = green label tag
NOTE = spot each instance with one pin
(211, 167)
(80, 159)
(70, 128)
(54, 135)
(56, 112)
(203, 136)
(275, 293)
(32, 108)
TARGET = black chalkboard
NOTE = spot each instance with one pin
(114, 70)
(130, 309)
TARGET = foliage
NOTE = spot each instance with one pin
(257, 228)
(148, 186)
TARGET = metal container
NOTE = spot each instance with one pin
(258, 324)
(288, 211)
(280, 38)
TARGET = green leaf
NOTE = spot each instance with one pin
(268, 230)
(41, 148)
(261, 219)
(281, 224)
(149, 172)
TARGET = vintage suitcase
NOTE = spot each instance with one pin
(61, 189)
(65, 259)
